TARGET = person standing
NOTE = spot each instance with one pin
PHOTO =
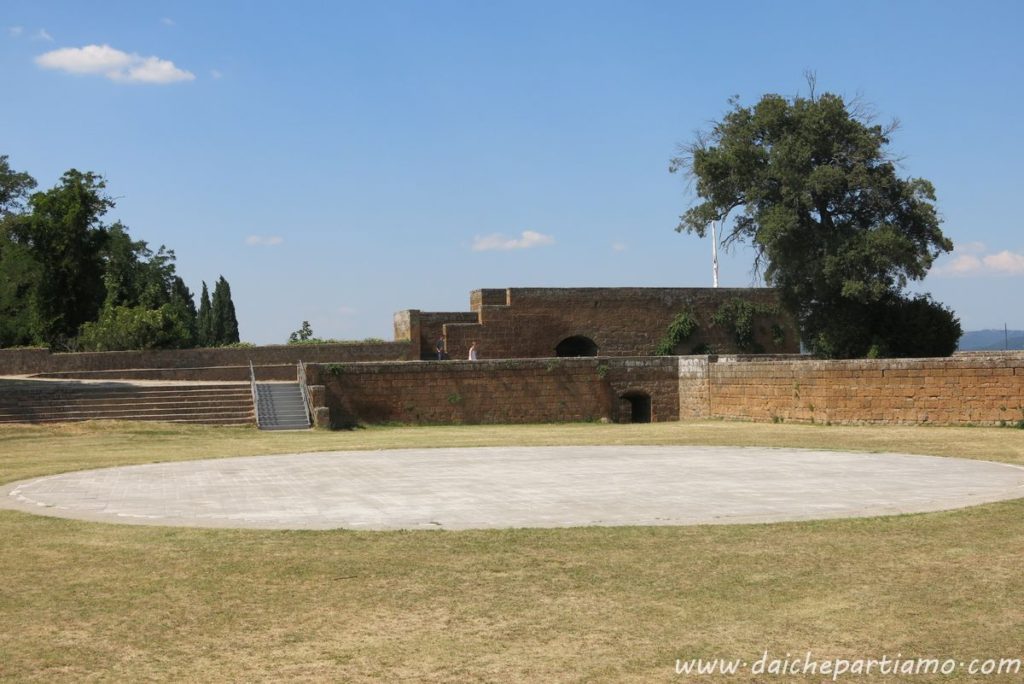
(439, 347)
(472, 351)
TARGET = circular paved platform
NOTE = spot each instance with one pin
(518, 487)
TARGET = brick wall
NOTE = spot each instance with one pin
(622, 321)
(31, 361)
(423, 328)
(960, 390)
(508, 391)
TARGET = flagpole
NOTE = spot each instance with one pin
(714, 254)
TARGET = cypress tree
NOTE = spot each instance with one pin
(230, 319)
(184, 307)
(204, 320)
(224, 322)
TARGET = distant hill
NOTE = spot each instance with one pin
(985, 340)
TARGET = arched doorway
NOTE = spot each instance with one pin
(637, 406)
(577, 345)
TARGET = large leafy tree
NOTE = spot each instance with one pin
(69, 280)
(133, 274)
(64, 234)
(19, 271)
(14, 188)
(834, 227)
(19, 276)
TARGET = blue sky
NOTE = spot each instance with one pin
(339, 161)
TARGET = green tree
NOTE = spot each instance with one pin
(14, 188)
(832, 224)
(19, 276)
(133, 274)
(19, 271)
(64, 234)
(62, 268)
(182, 306)
(303, 334)
(204, 320)
(224, 323)
(134, 327)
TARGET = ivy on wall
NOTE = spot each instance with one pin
(737, 316)
(679, 330)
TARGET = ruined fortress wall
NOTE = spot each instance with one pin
(622, 321)
(516, 391)
(423, 328)
(32, 361)
(960, 390)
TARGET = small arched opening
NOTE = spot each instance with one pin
(636, 406)
(577, 345)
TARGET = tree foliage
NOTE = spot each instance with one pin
(69, 280)
(14, 188)
(224, 323)
(135, 327)
(832, 224)
(204, 321)
(303, 334)
(65, 236)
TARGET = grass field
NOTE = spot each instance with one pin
(85, 601)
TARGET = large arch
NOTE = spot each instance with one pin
(577, 345)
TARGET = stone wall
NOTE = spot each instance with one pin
(621, 321)
(423, 328)
(32, 361)
(960, 390)
(508, 391)
(277, 372)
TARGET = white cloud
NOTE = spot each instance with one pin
(1005, 262)
(497, 241)
(152, 70)
(970, 248)
(618, 247)
(347, 310)
(216, 74)
(977, 263)
(961, 265)
(167, 21)
(263, 240)
(15, 31)
(41, 34)
(114, 64)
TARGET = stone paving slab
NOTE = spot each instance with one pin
(502, 487)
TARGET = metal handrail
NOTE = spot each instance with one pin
(305, 392)
(255, 393)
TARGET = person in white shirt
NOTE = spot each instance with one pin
(472, 351)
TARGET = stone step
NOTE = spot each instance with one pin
(225, 404)
(103, 402)
(63, 388)
(126, 412)
(206, 419)
(170, 402)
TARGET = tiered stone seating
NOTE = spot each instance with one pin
(29, 401)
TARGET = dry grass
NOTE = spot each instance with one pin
(91, 601)
(32, 450)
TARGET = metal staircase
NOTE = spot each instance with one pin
(280, 405)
